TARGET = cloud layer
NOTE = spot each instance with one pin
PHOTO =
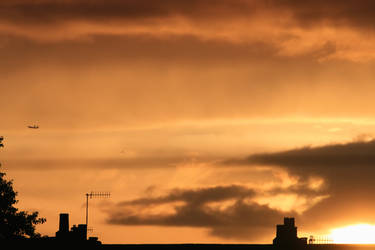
(347, 169)
(196, 208)
(307, 12)
(293, 27)
(324, 160)
(227, 211)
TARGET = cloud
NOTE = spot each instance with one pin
(72, 19)
(315, 29)
(196, 212)
(60, 10)
(121, 50)
(353, 13)
(348, 173)
(323, 160)
(197, 197)
(145, 162)
(312, 12)
(227, 211)
(65, 79)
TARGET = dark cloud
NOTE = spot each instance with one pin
(238, 220)
(310, 12)
(353, 13)
(227, 211)
(348, 171)
(42, 12)
(197, 197)
(323, 159)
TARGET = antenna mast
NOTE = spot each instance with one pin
(94, 195)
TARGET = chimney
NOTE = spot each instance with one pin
(289, 222)
(64, 223)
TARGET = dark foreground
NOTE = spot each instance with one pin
(238, 247)
(53, 244)
(188, 246)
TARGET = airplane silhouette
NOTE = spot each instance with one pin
(33, 127)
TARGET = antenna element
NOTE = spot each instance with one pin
(94, 195)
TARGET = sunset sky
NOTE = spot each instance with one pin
(207, 120)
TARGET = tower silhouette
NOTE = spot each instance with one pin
(286, 235)
(64, 223)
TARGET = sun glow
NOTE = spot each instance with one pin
(354, 234)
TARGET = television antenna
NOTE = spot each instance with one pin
(94, 195)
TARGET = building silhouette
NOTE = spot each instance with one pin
(75, 238)
(77, 234)
(286, 235)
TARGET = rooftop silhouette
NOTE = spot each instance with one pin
(76, 238)
(286, 235)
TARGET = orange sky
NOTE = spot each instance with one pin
(208, 121)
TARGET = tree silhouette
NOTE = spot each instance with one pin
(15, 224)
